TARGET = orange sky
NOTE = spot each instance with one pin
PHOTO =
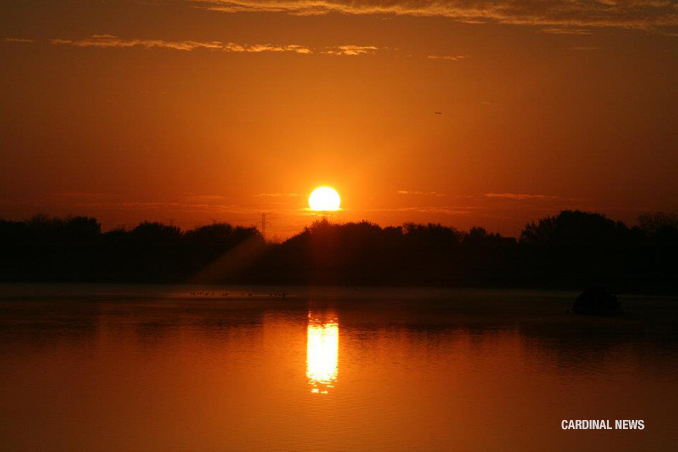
(200, 111)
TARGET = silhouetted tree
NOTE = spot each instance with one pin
(571, 249)
(660, 226)
(82, 229)
(155, 233)
(661, 229)
(573, 228)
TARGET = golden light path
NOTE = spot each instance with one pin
(322, 354)
(324, 199)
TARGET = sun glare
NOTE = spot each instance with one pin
(322, 354)
(324, 199)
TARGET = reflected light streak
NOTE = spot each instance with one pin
(322, 354)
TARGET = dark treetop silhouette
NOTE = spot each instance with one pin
(572, 249)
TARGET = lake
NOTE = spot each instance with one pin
(179, 368)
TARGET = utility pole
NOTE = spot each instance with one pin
(263, 224)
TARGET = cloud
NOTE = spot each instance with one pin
(110, 41)
(424, 193)
(518, 196)
(186, 206)
(447, 57)
(258, 48)
(429, 210)
(80, 194)
(553, 14)
(113, 41)
(439, 210)
(203, 199)
(19, 40)
(566, 31)
(189, 202)
(351, 50)
(276, 195)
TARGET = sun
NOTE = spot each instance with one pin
(324, 199)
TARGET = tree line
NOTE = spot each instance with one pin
(572, 249)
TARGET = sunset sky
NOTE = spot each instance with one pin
(199, 111)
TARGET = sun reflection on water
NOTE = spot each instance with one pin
(322, 354)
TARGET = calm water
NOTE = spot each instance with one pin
(134, 368)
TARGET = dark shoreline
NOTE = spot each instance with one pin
(288, 288)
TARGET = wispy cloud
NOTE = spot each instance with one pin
(445, 210)
(351, 50)
(276, 195)
(203, 199)
(439, 210)
(421, 193)
(182, 206)
(111, 41)
(566, 31)
(18, 40)
(189, 202)
(519, 196)
(552, 14)
(447, 57)
(258, 48)
(80, 194)
(114, 41)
